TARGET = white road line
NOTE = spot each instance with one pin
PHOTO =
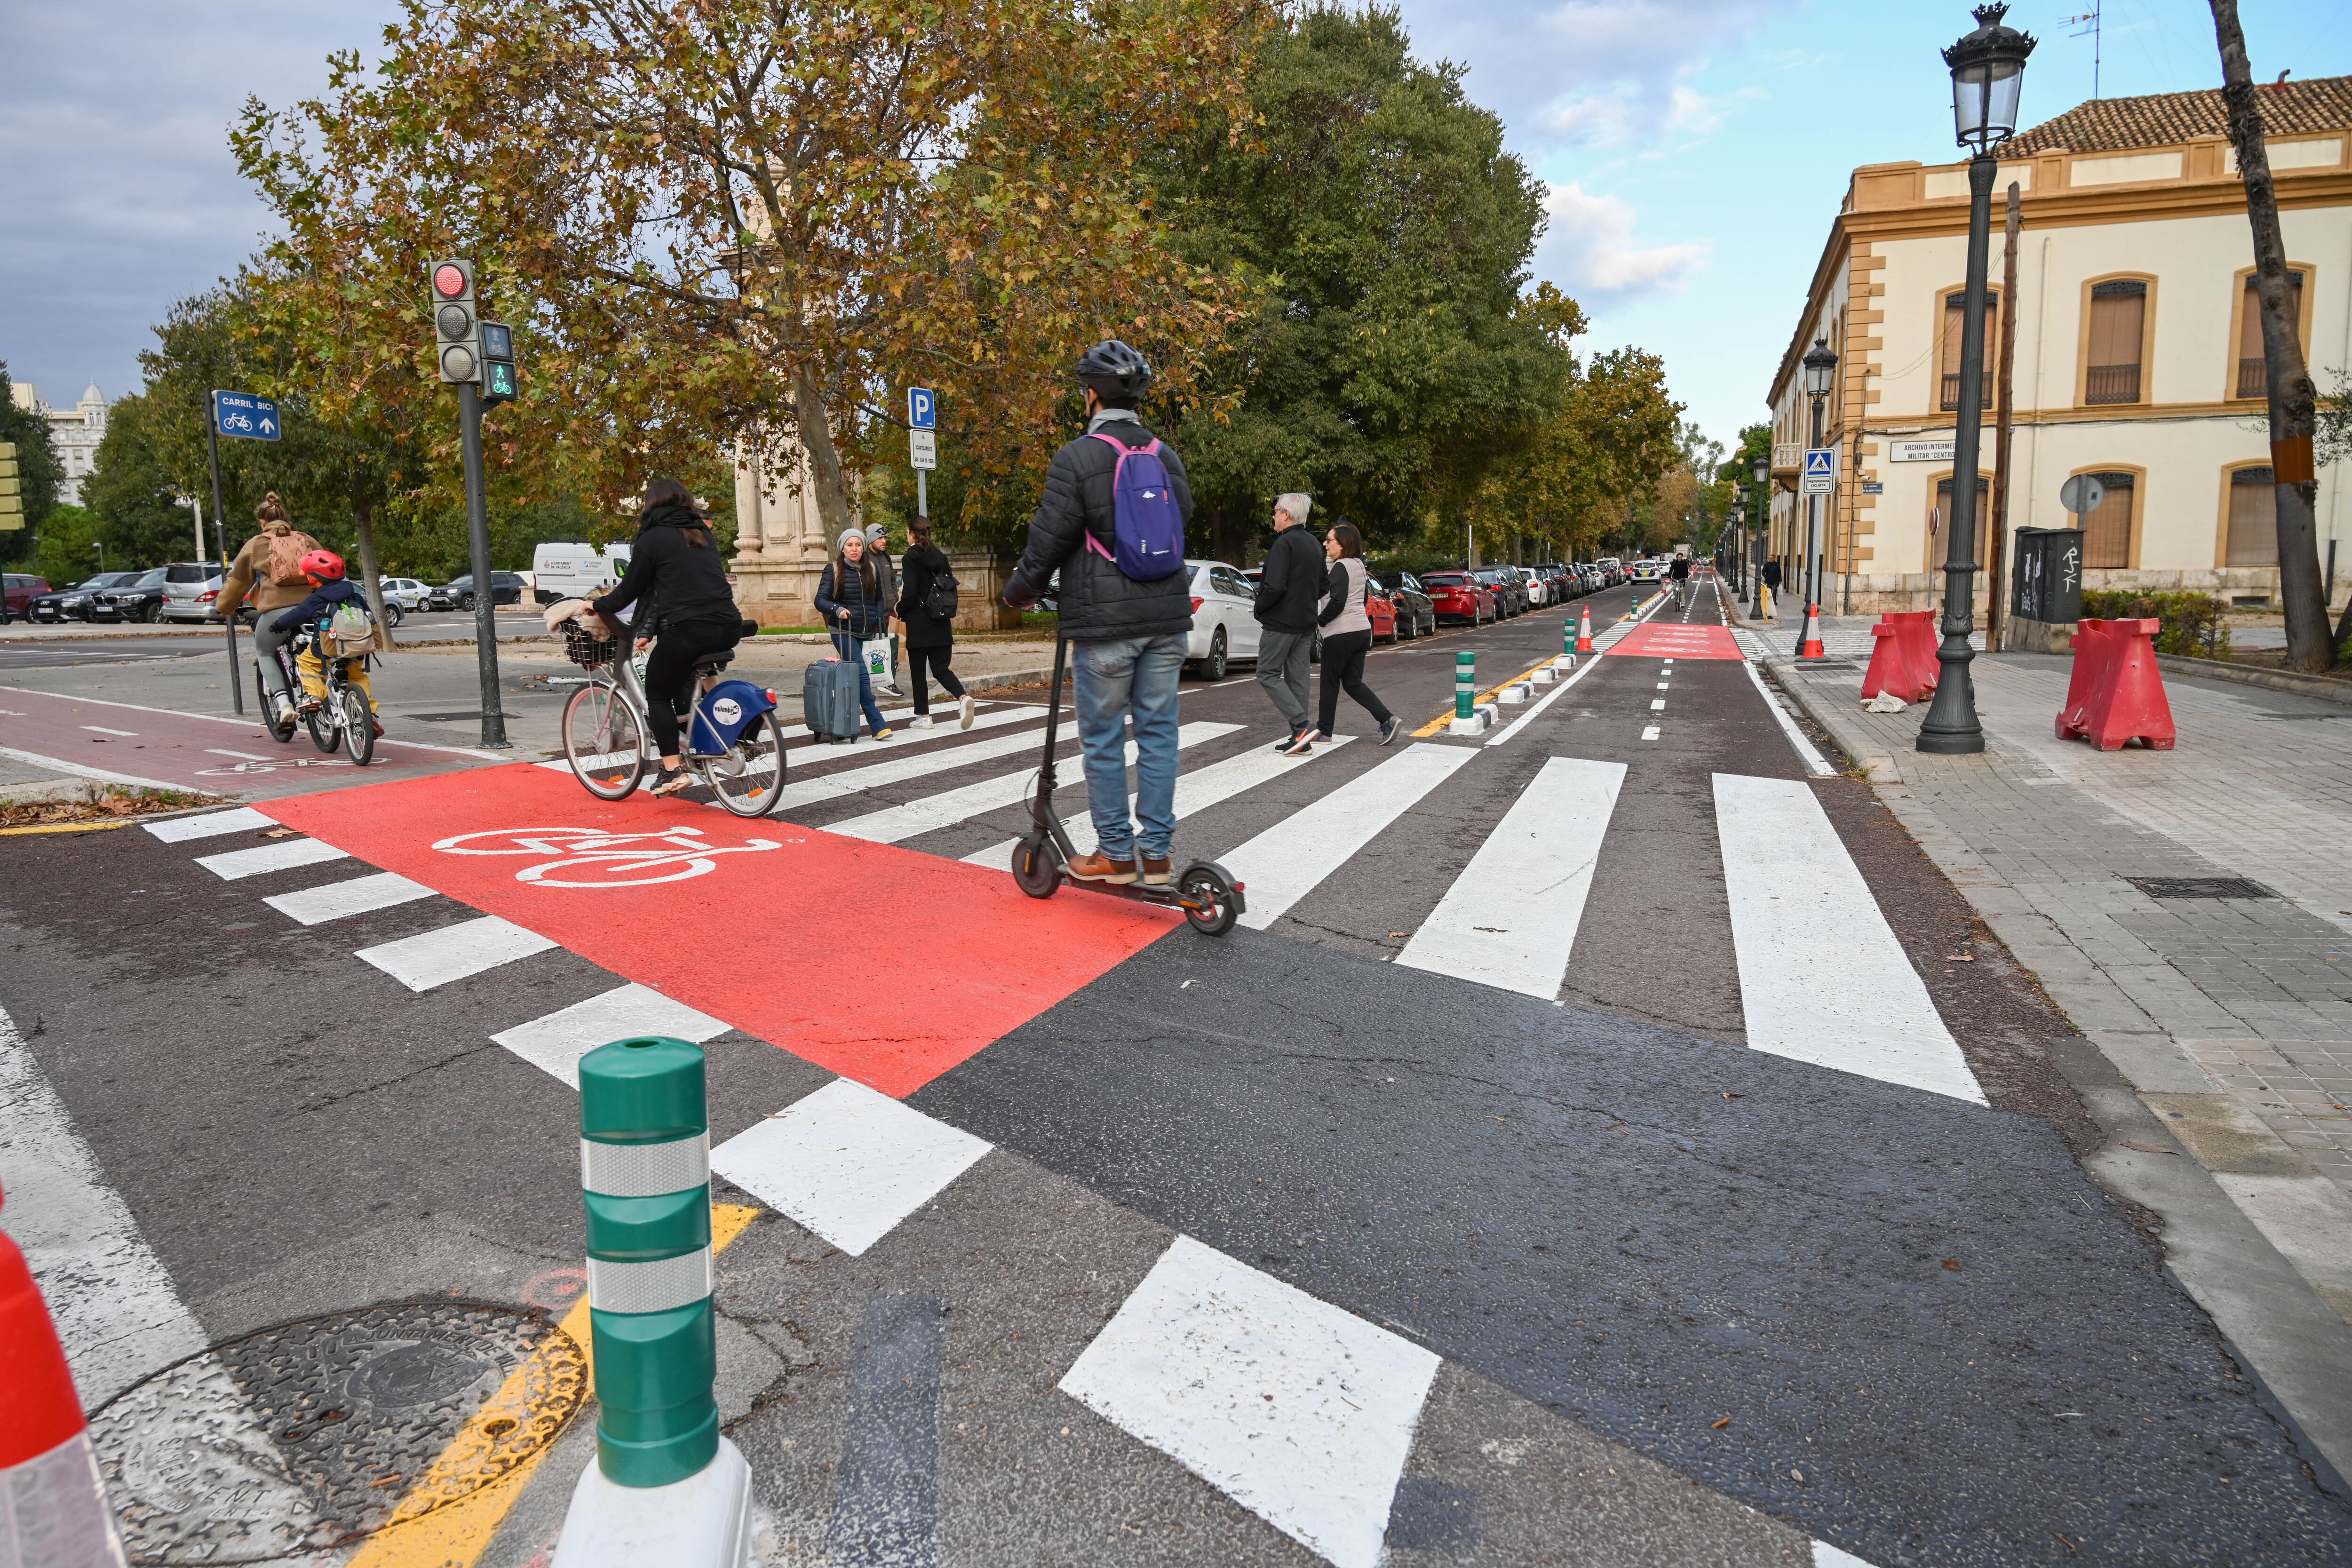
(902, 736)
(1822, 977)
(895, 824)
(102, 730)
(1828, 1556)
(340, 901)
(240, 756)
(1591, 663)
(899, 770)
(1285, 863)
(451, 952)
(1663, 687)
(557, 1042)
(97, 775)
(1649, 732)
(1300, 1412)
(284, 856)
(1811, 753)
(1657, 705)
(847, 1162)
(115, 1306)
(212, 824)
(1510, 918)
(1196, 791)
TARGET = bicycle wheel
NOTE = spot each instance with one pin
(750, 779)
(282, 733)
(604, 742)
(324, 732)
(359, 724)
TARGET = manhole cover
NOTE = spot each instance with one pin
(2200, 888)
(300, 1438)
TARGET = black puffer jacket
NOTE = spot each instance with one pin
(923, 564)
(1097, 601)
(1290, 586)
(670, 581)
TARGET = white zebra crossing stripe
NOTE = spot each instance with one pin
(1828, 1556)
(262, 858)
(1196, 791)
(1285, 863)
(558, 1041)
(1822, 977)
(894, 824)
(847, 1161)
(451, 952)
(1511, 917)
(1301, 1413)
(340, 900)
(180, 829)
(899, 770)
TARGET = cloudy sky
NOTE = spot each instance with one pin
(1696, 149)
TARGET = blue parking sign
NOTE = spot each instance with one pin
(242, 414)
(922, 408)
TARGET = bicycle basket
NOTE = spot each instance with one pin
(584, 648)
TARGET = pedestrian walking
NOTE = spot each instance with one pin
(1127, 634)
(877, 549)
(1770, 575)
(849, 598)
(1289, 596)
(1347, 634)
(927, 611)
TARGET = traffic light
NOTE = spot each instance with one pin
(456, 330)
(12, 498)
(500, 382)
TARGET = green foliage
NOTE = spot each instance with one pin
(68, 552)
(39, 469)
(2193, 623)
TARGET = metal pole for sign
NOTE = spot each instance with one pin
(922, 493)
(486, 589)
(227, 612)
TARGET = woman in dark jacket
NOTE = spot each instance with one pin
(930, 641)
(849, 598)
(679, 584)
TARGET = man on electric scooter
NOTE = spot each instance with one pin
(1128, 633)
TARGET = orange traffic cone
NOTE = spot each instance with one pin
(1584, 629)
(1812, 647)
(48, 1469)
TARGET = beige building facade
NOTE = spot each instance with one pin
(2136, 357)
(75, 433)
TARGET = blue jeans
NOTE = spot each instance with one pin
(1118, 680)
(846, 647)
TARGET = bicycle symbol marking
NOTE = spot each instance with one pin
(605, 859)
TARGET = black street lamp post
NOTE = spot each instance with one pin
(1760, 470)
(1988, 74)
(1820, 376)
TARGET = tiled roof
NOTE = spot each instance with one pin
(2114, 124)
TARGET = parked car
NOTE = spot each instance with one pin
(1415, 616)
(75, 603)
(1538, 588)
(457, 593)
(1458, 596)
(189, 589)
(1222, 627)
(140, 599)
(408, 592)
(17, 592)
(1511, 595)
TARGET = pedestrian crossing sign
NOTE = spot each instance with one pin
(1821, 470)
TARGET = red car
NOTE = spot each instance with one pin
(1458, 596)
(21, 588)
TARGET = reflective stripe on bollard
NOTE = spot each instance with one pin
(1466, 683)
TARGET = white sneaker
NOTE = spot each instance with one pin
(967, 715)
(919, 721)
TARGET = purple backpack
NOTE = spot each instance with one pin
(1146, 523)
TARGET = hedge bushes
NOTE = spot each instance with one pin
(2192, 622)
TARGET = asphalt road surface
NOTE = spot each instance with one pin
(1606, 1140)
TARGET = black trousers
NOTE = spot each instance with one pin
(933, 661)
(1343, 665)
(669, 671)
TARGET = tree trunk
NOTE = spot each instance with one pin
(825, 458)
(2004, 414)
(363, 520)
(2293, 399)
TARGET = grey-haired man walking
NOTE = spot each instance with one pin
(1289, 593)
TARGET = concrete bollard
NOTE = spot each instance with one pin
(1517, 691)
(666, 1486)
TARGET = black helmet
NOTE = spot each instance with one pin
(1112, 363)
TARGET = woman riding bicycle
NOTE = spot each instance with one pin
(679, 584)
(330, 589)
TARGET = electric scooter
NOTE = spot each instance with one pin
(1207, 892)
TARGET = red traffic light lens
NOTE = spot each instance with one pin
(449, 280)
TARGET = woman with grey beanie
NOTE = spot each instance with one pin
(849, 598)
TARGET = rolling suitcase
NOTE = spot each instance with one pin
(829, 703)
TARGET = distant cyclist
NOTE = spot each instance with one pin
(269, 567)
(1680, 573)
(332, 593)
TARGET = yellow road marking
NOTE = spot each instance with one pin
(63, 828)
(427, 1532)
(1443, 720)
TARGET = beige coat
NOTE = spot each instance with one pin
(250, 571)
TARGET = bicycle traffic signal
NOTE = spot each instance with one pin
(456, 329)
(500, 381)
(12, 498)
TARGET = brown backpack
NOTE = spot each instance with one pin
(286, 553)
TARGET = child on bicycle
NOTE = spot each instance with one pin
(330, 591)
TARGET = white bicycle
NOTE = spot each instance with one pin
(731, 738)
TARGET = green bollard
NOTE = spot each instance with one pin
(644, 1169)
(1568, 636)
(1466, 683)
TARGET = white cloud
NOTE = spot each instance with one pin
(1588, 250)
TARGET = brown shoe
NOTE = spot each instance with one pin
(1156, 873)
(1094, 868)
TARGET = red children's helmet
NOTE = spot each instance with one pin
(323, 564)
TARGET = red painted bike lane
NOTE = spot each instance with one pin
(771, 927)
(157, 747)
(1674, 639)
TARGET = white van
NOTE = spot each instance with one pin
(575, 569)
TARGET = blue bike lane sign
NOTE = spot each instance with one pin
(243, 415)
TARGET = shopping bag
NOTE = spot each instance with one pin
(881, 656)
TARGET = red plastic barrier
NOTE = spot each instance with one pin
(2117, 693)
(1904, 661)
(48, 1474)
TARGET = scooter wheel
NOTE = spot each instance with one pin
(1035, 869)
(1212, 902)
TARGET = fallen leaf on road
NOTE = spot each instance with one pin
(1735, 1094)
(1953, 1264)
(1400, 934)
(1959, 958)
(279, 833)
(1721, 1424)
(2148, 1148)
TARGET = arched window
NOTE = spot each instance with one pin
(2252, 539)
(2107, 531)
